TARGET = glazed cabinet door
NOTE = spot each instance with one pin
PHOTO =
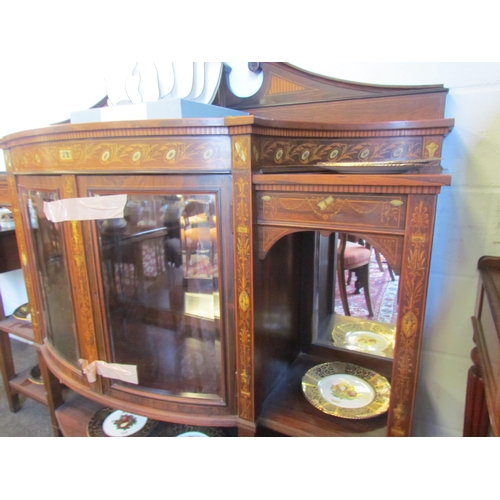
(164, 283)
(48, 261)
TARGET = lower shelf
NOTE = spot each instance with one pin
(23, 385)
(74, 415)
(77, 411)
(286, 411)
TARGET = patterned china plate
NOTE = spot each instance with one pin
(22, 313)
(376, 167)
(108, 422)
(346, 390)
(366, 336)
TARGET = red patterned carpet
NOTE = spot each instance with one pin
(383, 291)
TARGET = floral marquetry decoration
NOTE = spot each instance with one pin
(295, 151)
(149, 152)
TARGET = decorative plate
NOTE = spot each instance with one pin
(192, 434)
(347, 391)
(35, 376)
(376, 167)
(109, 422)
(22, 313)
(366, 336)
(183, 430)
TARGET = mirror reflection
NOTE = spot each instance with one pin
(356, 294)
(160, 273)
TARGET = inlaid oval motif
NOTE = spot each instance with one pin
(397, 152)
(255, 153)
(244, 301)
(278, 155)
(305, 155)
(333, 154)
(409, 323)
(105, 156)
(171, 154)
(364, 153)
(136, 156)
(207, 154)
(37, 158)
(396, 203)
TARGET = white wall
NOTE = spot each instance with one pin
(468, 219)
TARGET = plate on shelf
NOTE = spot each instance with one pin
(22, 313)
(35, 376)
(376, 167)
(108, 422)
(366, 336)
(346, 390)
(183, 430)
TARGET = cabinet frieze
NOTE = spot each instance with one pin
(303, 151)
(203, 154)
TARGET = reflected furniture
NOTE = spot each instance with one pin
(354, 256)
(223, 335)
(482, 405)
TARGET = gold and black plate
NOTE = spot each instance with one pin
(22, 313)
(346, 390)
(35, 376)
(108, 422)
(376, 167)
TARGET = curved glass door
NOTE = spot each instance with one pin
(47, 239)
(160, 275)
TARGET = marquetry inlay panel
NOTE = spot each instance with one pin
(242, 214)
(308, 152)
(319, 210)
(416, 265)
(83, 307)
(193, 154)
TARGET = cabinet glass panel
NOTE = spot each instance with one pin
(55, 288)
(160, 275)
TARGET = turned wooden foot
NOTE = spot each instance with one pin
(476, 420)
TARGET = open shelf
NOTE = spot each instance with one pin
(22, 329)
(74, 415)
(287, 411)
(22, 384)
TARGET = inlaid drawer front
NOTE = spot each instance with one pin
(200, 154)
(307, 152)
(320, 210)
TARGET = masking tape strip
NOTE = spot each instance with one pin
(127, 373)
(91, 208)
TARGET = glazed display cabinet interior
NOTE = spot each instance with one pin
(217, 284)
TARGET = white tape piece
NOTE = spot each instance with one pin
(126, 373)
(91, 208)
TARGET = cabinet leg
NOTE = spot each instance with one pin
(476, 420)
(8, 371)
(53, 388)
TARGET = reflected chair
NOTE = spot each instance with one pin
(199, 232)
(353, 257)
(378, 258)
